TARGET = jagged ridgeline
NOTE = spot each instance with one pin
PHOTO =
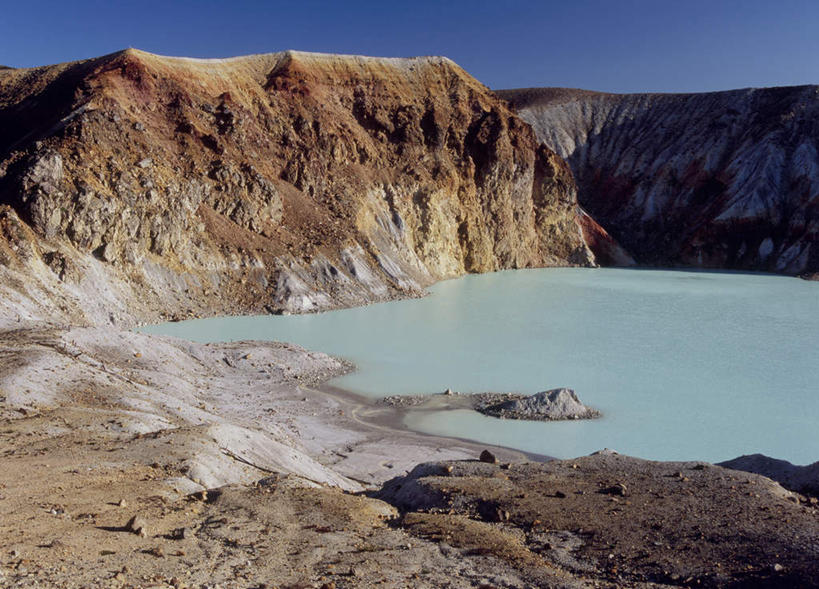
(722, 179)
(287, 181)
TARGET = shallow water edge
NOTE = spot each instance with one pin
(372, 413)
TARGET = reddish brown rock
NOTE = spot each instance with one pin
(289, 181)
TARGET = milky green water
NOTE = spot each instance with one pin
(683, 365)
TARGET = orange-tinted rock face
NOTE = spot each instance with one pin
(292, 181)
(607, 251)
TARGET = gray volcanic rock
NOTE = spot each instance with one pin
(723, 179)
(551, 405)
(803, 479)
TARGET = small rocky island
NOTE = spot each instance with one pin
(551, 405)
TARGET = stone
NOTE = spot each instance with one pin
(554, 404)
(616, 489)
(491, 512)
(44, 174)
(604, 452)
(109, 252)
(137, 525)
(181, 533)
(487, 456)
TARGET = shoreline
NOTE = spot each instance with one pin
(390, 418)
(592, 384)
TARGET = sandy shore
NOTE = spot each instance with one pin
(252, 400)
(391, 419)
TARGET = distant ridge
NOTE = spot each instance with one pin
(539, 95)
(726, 179)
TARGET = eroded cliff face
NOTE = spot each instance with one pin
(724, 179)
(285, 182)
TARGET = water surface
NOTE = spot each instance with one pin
(683, 365)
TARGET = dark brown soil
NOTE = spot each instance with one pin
(622, 519)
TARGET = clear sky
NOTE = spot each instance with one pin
(611, 45)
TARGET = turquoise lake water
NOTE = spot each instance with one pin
(683, 365)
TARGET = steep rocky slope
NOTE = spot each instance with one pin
(286, 182)
(723, 179)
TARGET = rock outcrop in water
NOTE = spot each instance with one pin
(718, 180)
(551, 405)
(286, 182)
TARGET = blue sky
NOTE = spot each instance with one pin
(615, 45)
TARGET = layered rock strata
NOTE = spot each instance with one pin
(719, 180)
(284, 182)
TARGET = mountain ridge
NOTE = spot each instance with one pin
(285, 182)
(720, 180)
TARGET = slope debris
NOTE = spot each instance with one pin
(615, 519)
(802, 479)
